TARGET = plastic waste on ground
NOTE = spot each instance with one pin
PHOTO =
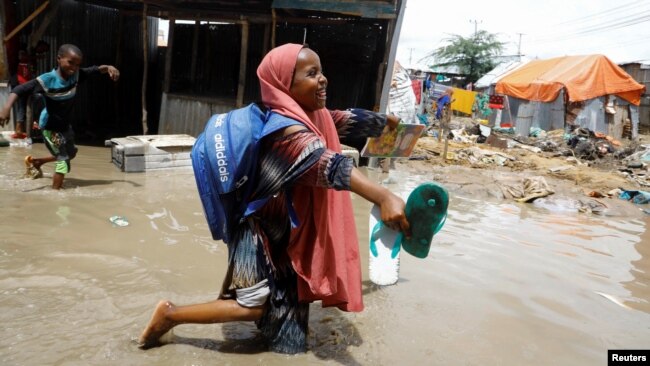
(119, 220)
(637, 197)
(21, 142)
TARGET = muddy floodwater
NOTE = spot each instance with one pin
(504, 283)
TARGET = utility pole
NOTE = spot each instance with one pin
(411, 55)
(476, 22)
(519, 46)
(473, 60)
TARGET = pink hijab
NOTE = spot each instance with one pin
(324, 249)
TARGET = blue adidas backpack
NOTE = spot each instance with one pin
(224, 159)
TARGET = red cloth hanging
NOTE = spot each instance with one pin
(496, 102)
(417, 89)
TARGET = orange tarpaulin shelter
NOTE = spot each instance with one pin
(583, 78)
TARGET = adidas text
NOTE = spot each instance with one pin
(222, 163)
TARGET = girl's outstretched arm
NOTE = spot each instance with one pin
(392, 206)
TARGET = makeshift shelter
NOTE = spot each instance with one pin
(209, 62)
(586, 91)
(214, 48)
(497, 73)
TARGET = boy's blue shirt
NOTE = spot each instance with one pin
(57, 89)
(59, 96)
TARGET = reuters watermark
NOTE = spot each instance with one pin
(628, 357)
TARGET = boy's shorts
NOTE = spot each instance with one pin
(61, 145)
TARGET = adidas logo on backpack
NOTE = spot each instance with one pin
(224, 159)
(220, 149)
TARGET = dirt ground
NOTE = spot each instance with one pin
(586, 185)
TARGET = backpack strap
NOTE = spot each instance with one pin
(274, 123)
(293, 216)
(257, 204)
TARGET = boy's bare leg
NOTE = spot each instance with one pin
(57, 180)
(167, 315)
(34, 166)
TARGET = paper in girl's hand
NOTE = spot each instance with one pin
(396, 143)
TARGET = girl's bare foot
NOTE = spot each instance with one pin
(159, 324)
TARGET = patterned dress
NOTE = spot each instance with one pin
(258, 250)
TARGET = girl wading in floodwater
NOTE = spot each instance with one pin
(274, 270)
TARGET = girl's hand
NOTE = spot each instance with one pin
(392, 121)
(392, 214)
(391, 206)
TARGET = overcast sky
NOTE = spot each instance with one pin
(619, 29)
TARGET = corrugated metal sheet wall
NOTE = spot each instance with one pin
(592, 116)
(641, 73)
(217, 60)
(644, 108)
(4, 72)
(351, 55)
(189, 114)
(351, 52)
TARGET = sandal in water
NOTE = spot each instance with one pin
(32, 171)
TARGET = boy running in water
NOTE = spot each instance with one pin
(59, 88)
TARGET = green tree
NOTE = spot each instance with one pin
(474, 56)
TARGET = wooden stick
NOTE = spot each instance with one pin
(168, 55)
(145, 61)
(27, 20)
(444, 128)
(195, 48)
(273, 24)
(243, 60)
(47, 19)
(444, 152)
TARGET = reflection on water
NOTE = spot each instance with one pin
(504, 283)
